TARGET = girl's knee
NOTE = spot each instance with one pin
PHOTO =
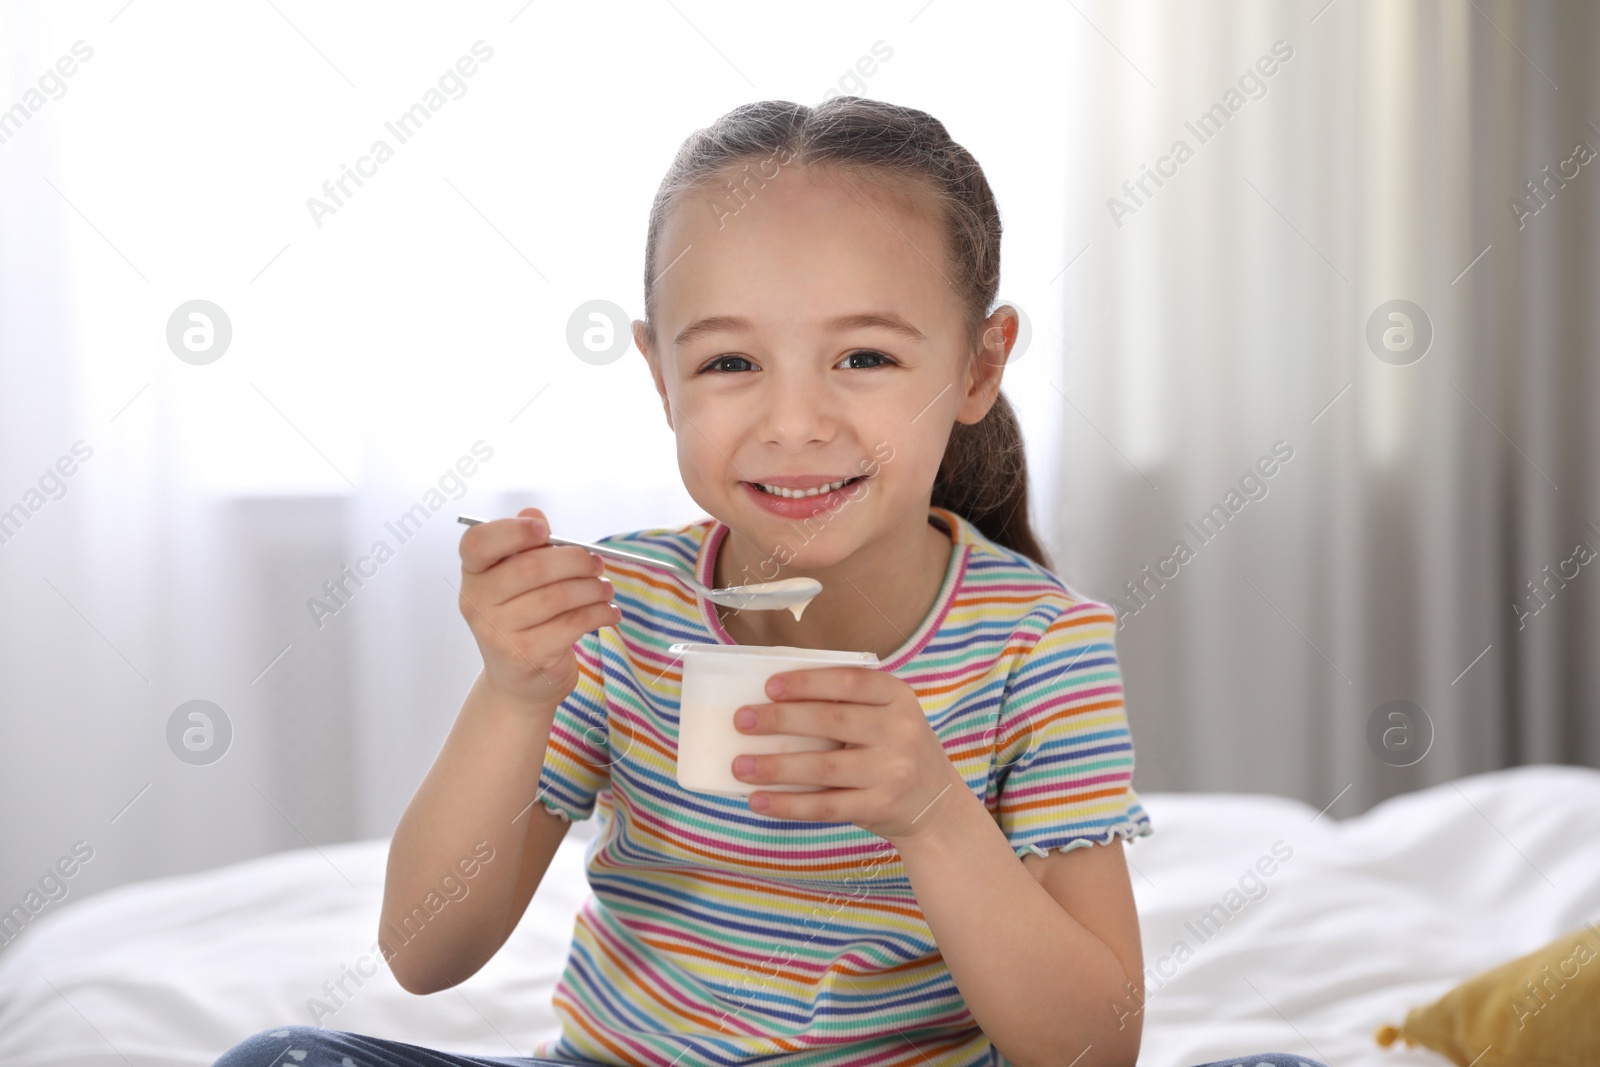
(275, 1047)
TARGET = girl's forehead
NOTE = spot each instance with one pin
(815, 205)
(797, 249)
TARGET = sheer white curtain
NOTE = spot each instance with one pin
(371, 349)
(1337, 157)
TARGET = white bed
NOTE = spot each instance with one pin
(1366, 918)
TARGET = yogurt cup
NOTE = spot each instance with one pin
(717, 681)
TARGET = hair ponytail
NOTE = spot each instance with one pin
(984, 479)
(984, 474)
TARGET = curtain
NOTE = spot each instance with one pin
(1330, 443)
(168, 693)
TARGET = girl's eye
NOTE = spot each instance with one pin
(882, 360)
(715, 364)
(874, 359)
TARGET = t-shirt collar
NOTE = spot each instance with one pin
(961, 534)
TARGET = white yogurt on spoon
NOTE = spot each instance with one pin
(791, 593)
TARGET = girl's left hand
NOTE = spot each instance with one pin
(885, 780)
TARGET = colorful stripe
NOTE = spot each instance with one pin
(717, 936)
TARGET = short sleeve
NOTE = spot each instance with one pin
(577, 760)
(1063, 773)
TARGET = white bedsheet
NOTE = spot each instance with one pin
(1365, 918)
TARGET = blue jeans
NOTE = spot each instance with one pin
(331, 1048)
(311, 1046)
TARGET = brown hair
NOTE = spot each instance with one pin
(983, 476)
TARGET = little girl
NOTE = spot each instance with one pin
(951, 892)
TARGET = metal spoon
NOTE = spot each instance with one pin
(791, 593)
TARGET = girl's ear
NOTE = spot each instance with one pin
(987, 364)
(641, 338)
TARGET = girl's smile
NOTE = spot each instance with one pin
(801, 496)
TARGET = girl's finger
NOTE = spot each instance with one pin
(565, 629)
(487, 543)
(857, 685)
(854, 724)
(539, 606)
(830, 805)
(531, 569)
(849, 768)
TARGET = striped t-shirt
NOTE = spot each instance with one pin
(718, 936)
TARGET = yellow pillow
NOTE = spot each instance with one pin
(1540, 1010)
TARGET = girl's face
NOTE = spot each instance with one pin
(808, 336)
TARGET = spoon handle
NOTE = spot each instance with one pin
(615, 553)
(630, 557)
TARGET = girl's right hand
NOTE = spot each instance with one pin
(528, 602)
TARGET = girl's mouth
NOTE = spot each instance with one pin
(801, 503)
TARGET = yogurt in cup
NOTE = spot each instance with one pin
(717, 681)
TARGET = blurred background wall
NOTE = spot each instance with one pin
(1339, 346)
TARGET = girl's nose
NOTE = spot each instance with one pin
(798, 410)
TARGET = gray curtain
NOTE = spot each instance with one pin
(1429, 532)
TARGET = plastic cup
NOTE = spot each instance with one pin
(720, 679)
